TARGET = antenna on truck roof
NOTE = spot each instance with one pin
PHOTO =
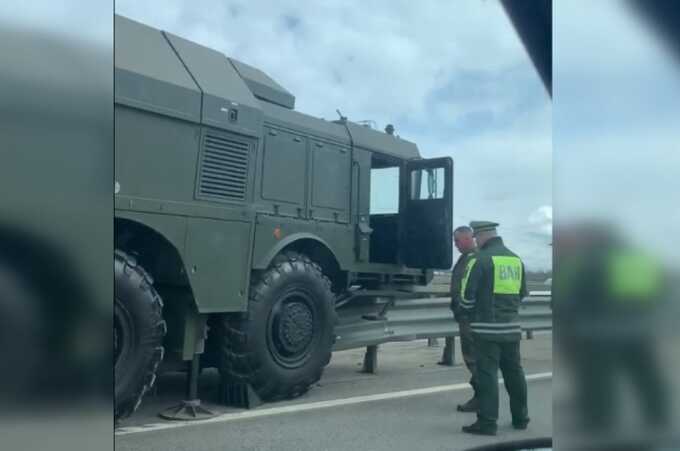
(342, 118)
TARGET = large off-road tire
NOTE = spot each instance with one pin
(281, 346)
(139, 329)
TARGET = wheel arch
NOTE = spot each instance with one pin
(156, 252)
(318, 250)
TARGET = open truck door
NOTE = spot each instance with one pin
(427, 219)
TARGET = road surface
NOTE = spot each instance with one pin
(408, 404)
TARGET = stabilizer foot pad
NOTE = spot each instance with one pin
(187, 411)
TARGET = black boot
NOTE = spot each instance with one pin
(521, 425)
(478, 429)
(471, 406)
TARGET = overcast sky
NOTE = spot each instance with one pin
(451, 76)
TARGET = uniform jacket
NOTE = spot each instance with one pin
(457, 275)
(494, 287)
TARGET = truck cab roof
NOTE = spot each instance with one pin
(164, 73)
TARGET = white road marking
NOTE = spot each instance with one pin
(228, 417)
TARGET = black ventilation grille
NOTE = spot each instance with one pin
(224, 168)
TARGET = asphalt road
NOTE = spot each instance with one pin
(409, 404)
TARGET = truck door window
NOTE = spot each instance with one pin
(384, 191)
(427, 184)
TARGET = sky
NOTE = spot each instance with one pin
(452, 77)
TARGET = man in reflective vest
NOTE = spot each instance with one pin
(465, 243)
(612, 307)
(493, 290)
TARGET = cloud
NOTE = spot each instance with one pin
(541, 220)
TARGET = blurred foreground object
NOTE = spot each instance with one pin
(56, 172)
(533, 22)
(616, 279)
(663, 17)
(610, 302)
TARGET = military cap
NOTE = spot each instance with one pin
(483, 226)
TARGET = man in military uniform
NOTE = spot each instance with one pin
(465, 243)
(494, 288)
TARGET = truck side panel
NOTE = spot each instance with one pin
(215, 254)
(217, 260)
(155, 155)
(283, 171)
(331, 176)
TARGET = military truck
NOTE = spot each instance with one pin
(241, 224)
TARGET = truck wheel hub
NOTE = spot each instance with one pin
(292, 330)
(296, 326)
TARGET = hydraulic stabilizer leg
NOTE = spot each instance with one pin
(189, 409)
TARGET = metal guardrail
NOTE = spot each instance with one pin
(414, 319)
(426, 315)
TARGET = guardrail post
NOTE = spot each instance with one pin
(449, 353)
(530, 334)
(370, 359)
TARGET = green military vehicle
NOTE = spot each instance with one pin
(241, 224)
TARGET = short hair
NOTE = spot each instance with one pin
(463, 229)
